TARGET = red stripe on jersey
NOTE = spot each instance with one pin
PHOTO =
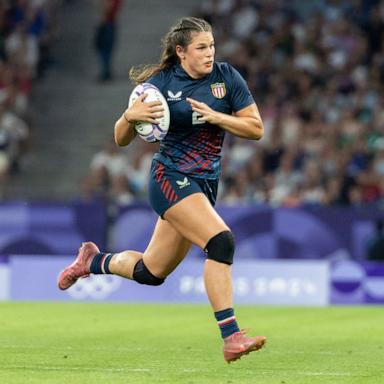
(185, 168)
(205, 164)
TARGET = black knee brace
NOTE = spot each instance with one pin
(221, 248)
(142, 275)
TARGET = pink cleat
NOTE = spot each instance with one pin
(238, 345)
(80, 267)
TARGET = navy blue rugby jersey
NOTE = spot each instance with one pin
(192, 146)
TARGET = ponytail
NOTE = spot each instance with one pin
(180, 34)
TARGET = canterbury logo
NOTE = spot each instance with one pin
(172, 96)
(183, 183)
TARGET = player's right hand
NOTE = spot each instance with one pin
(142, 111)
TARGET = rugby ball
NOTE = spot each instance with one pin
(147, 131)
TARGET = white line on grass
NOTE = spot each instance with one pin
(326, 374)
(55, 368)
(111, 370)
(123, 349)
(330, 353)
(80, 348)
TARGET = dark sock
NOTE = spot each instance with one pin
(226, 320)
(100, 263)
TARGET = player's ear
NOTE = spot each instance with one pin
(180, 52)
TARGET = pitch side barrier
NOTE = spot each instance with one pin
(303, 256)
(268, 282)
(261, 232)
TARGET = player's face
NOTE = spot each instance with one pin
(197, 58)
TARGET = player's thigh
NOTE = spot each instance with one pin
(196, 219)
(166, 249)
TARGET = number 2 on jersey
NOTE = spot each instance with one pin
(196, 118)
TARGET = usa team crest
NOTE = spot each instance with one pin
(218, 90)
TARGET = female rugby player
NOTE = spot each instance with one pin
(206, 99)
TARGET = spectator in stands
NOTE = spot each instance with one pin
(25, 27)
(317, 71)
(121, 192)
(288, 54)
(375, 249)
(106, 166)
(22, 49)
(14, 133)
(111, 158)
(105, 37)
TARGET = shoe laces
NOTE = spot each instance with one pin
(240, 336)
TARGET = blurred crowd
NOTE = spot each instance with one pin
(316, 70)
(26, 34)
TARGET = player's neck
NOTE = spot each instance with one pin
(191, 73)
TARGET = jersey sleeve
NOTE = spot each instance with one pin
(155, 80)
(240, 95)
(158, 80)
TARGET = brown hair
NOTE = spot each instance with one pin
(179, 34)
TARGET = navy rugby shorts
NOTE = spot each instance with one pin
(167, 187)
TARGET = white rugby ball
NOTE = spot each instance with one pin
(147, 131)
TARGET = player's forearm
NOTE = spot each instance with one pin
(124, 131)
(245, 127)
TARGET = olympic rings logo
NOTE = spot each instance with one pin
(97, 287)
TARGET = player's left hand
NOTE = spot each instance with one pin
(207, 114)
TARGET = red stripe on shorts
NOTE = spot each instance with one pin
(165, 186)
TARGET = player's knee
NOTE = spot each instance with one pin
(221, 247)
(142, 275)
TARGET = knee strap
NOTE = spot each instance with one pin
(221, 248)
(142, 275)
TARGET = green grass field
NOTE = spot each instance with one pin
(121, 343)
